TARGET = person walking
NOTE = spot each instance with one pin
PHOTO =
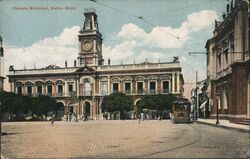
(52, 120)
(85, 117)
(142, 116)
(139, 118)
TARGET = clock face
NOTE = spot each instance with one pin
(87, 45)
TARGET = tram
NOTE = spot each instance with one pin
(181, 111)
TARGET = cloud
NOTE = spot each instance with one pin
(121, 52)
(131, 43)
(166, 37)
(51, 50)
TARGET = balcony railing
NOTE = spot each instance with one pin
(49, 94)
(139, 66)
(165, 90)
(152, 91)
(128, 91)
(140, 91)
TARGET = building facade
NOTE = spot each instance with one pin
(89, 81)
(228, 63)
(1, 64)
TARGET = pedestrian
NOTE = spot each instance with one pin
(139, 117)
(142, 116)
(85, 117)
(52, 120)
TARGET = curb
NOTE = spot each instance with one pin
(225, 127)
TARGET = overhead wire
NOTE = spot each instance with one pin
(135, 16)
(170, 11)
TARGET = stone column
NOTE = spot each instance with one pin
(54, 91)
(178, 82)
(173, 82)
(64, 88)
(11, 87)
(33, 90)
(108, 85)
(44, 89)
(77, 86)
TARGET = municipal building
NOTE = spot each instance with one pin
(89, 80)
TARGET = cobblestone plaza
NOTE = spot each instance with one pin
(121, 139)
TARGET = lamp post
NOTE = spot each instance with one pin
(76, 105)
(217, 112)
(93, 107)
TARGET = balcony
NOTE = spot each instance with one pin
(60, 94)
(152, 91)
(49, 94)
(165, 90)
(128, 91)
(140, 91)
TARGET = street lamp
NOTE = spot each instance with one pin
(93, 107)
(217, 112)
(76, 105)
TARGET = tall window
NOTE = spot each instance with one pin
(152, 87)
(115, 87)
(226, 56)
(139, 88)
(60, 90)
(165, 86)
(29, 90)
(219, 60)
(128, 88)
(70, 88)
(49, 90)
(87, 88)
(39, 90)
(224, 100)
(104, 90)
(19, 89)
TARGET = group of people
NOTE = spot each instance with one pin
(146, 116)
(73, 117)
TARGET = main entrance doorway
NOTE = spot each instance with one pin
(86, 106)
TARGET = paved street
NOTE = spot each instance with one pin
(121, 139)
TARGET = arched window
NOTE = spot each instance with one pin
(29, 88)
(86, 88)
(59, 88)
(19, 87)
(49, 85)
(39, 88)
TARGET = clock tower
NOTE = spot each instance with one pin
(90, 41)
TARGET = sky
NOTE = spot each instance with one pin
(35, 38)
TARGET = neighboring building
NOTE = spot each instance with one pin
(1, 64)
(228, 63)
(90, 80)
(203, 107)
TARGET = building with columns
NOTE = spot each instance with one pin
(89, 80)
(1, 64)
(228, 64)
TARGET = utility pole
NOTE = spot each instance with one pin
(196, 94)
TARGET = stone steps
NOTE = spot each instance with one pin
(244, 122)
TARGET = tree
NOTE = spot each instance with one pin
(159, 102)
(118, 102)
(41, 105)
